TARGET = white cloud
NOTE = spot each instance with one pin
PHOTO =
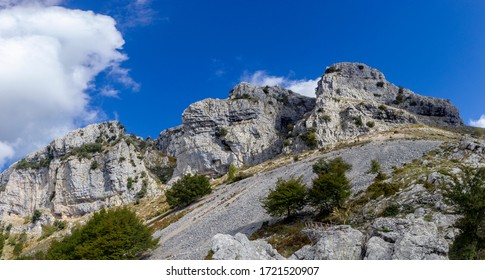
(132, 13)
(262, 78)
(6, 153)
(49, 57)
(11, 3)
(478, 123)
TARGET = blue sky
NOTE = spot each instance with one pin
(177, 52)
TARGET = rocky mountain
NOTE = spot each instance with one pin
(88, 169)
(267, 133)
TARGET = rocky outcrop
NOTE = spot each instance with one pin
(88, 169)
(405, 239)
(227, 247)
(354, 100)
(248, 128)
(336, 243)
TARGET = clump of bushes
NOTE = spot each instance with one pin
(116, 234)
(188, 189)
(358, 121)
(467, 193)
(310, 137)
(390, 211)
(87, 150)
(36, 216)
(36, 165)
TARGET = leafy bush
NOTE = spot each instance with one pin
(380, 84)
(379, 188)
(375, 166)
(358, 121)
(231, 174)
(467, 193)
(371, 124)
(331, 188)
(222, 132)
(94, 165)
(87, 150)
(36, 165)
(114, 234)
(382, 107)
(187, 190)
(310, 137)
(390, 211)
(327, 118)
(36, 216)
(287, 197)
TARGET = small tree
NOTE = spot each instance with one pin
(187, 190)
(287, 197)
(331, 188)
(467, 193)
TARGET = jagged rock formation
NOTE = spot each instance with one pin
(90, 168)
(248, 128)
(354, 100)
(258, 123)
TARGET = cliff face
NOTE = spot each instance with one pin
(90, 168)
(354, 100)
(248, 128)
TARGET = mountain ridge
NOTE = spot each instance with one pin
(102, 166)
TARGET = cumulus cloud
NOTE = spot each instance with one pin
(262, 78)
(478, 123)
(49, 58)
(11, 3)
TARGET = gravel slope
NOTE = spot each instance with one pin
(236, 207)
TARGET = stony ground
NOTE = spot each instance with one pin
(236, 208)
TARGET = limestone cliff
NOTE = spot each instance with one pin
(248, 128)
(90, 168)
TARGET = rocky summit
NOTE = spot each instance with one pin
(265, 133)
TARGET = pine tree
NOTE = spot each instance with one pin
(286, 198)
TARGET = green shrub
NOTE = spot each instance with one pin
(478, 132)
(380, 84)
(371, 124)
(390, 211)
(327, 118)
(286, 198)
(231, 174)
(94, 165)
(222, 132)
(187, 189)
(36, 165)
(467, 193)
(36, 216)
(310, 137)
(87, 150)
(331, 188)
(382, 107)
(379, 188)
(358, 121)
(115, 234)
(375, 167)
(129, 183)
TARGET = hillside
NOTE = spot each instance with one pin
(266, 133)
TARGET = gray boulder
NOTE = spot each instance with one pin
(227, 247)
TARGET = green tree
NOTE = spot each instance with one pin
(331, 188)
(116, 234)
(467, 193)
(287, 197)
(187, 190)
